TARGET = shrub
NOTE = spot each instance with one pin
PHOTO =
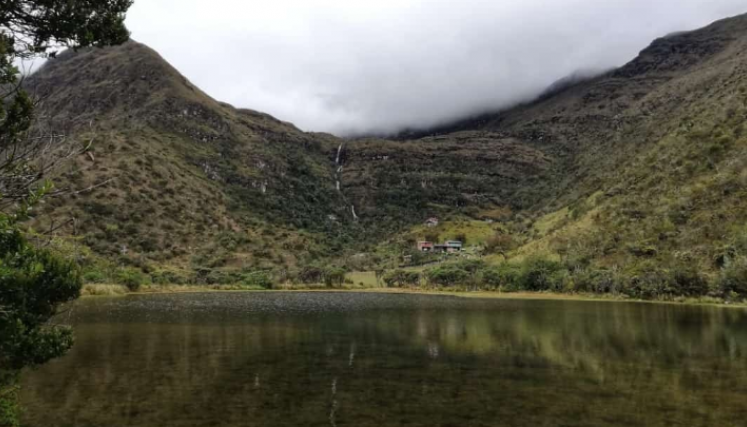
(500, 244)
(540, 274)
(649, 283)
(170, 277)
(334, 276)
(310, 275)
(260, 279)
(733, 278)
(505, 276)
(400, 278)
(689, 282)
(596, 281)
(448, 275)
(130, 277)
(94, 276)
(470, 265)
(33, 284)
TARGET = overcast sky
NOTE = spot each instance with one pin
(363, 66)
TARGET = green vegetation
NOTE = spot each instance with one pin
(541, 274)
(402, 278)
(630, 183)
(35, 282)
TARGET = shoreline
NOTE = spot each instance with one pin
(94, 291)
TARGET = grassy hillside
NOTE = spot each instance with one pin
(182, 180)
(636, 174)
(649, 180)
(656, 155)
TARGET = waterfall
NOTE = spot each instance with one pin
(339, 151)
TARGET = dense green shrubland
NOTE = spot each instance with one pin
(542, 274)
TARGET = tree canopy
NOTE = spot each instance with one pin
(35, 282)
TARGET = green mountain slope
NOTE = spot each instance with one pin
(187, 180)
(655, 155)
(639, 169)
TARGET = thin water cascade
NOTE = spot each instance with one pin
(339, 152)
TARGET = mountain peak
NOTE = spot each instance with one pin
(679, 51)
(96, 81)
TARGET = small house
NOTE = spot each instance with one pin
(453, 246)
(431, 222)
(425, 246)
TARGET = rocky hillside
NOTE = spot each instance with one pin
(181, 178)
(641, 165)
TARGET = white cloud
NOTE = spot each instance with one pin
(351, 66)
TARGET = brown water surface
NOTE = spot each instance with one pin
(347, 359)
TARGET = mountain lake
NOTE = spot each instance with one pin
(375, 359)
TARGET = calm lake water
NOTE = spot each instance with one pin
(346, 359)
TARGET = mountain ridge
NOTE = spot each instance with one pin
(203, 186)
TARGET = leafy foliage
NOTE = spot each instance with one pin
(35, 282)
(131, 277)
(402, 278)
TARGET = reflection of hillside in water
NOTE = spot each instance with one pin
(503, 363)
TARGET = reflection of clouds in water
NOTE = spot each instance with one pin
(334, 405)
(352, 354)
(433, 350)
(422, 328)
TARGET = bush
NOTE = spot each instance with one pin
(448, 275)
(540, 274)
(334, 276)
(130, 277)
(401, 278)
(261, 279)
(170, 277)
(505, 277)
(310, 275)
(596, 281)
(94, 276)
(733, 278)
(33, 284)
(500, 244)
(650, 283)
(691, 283)
(470, 265)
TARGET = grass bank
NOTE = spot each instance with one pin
(118, 290)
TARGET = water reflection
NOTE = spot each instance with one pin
(390, 360)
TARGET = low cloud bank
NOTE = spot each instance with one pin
(353, 67)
